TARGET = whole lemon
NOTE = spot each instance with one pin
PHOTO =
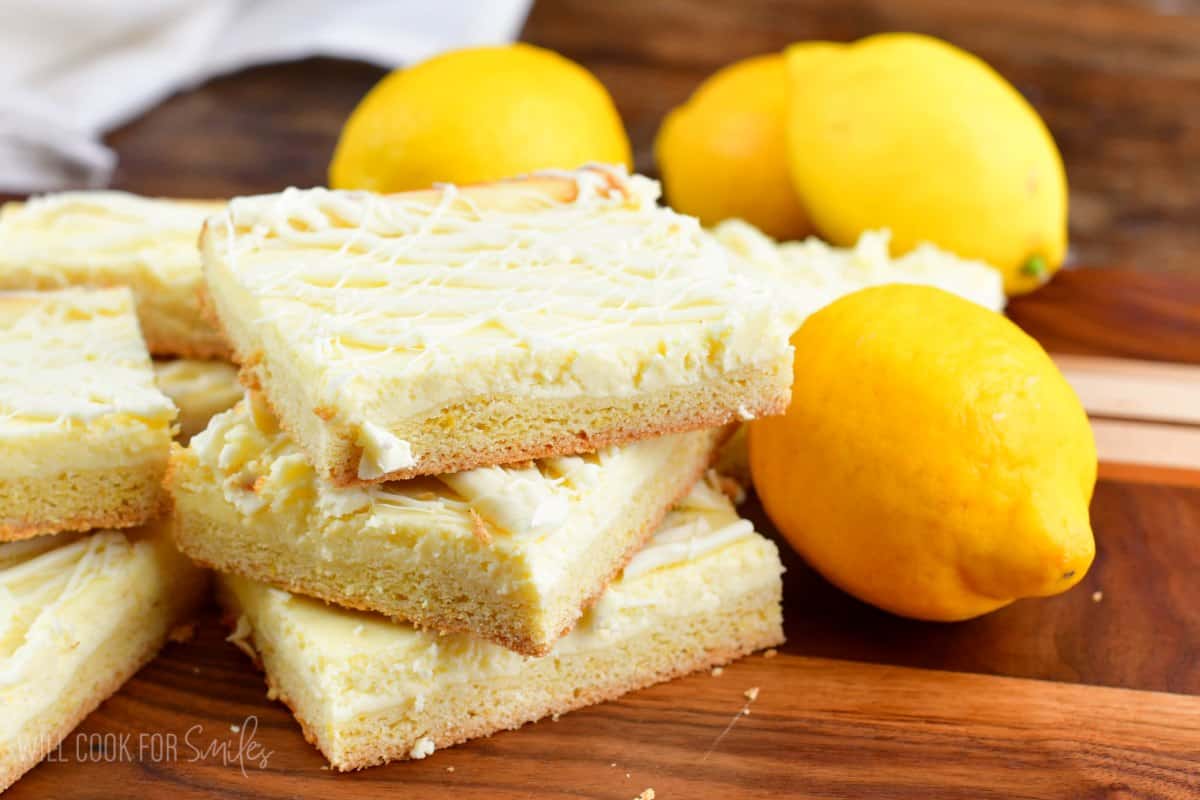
(477, 115)
(933, 461)
(723, 153)
(907, 132)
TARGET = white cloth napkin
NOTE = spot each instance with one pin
(72, 70)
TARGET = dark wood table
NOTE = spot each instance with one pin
(1090, 694)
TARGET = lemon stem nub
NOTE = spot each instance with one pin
(1034, 266)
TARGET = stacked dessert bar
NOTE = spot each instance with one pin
(467, 488)
(90, 583)
(107, 239)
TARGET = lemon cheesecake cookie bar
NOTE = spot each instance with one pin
(82, 613)
(511, 554)
(811, 274)
(84, 432)
(199, 389)
(705, 590)
(103, 239)
(432, 332)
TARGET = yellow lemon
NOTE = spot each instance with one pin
(723, 153)
(477, 115)
(933, 461)
(910, 133)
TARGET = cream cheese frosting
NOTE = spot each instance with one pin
(38, 580)
(382, 452)
(75, 358)
(102, 230)
(391, 306)
(190, 381)
(539, 513)
(811, 274)
(700, 542)
(50, 589)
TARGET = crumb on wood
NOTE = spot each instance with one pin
(752, 693)
(647, 794)
(449, 769)
(479, 528)
(718, 672)
(771, 653)
(1097, 596)
(183, 633)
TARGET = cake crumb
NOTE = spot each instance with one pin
(422, 748)
(235, 728)
(1097, 596)
(718, 672)
(554, 717)
(626, 775)
(449, 769)
(771, 653)
(613, 764)
(647, 794)
(752, 693)
(479, 528)
(182, 633)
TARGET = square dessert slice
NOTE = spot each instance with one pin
(103, 239)
(199, 389)
(705, 590)
(82, 613)
(511, 554)
(437, 331)
(84, 432)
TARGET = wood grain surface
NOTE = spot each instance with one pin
(819, 728)
(1090, 694)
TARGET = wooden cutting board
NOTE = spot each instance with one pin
(1090, 694)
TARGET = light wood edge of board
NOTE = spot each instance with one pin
(1122, 388)
(1145, 416)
